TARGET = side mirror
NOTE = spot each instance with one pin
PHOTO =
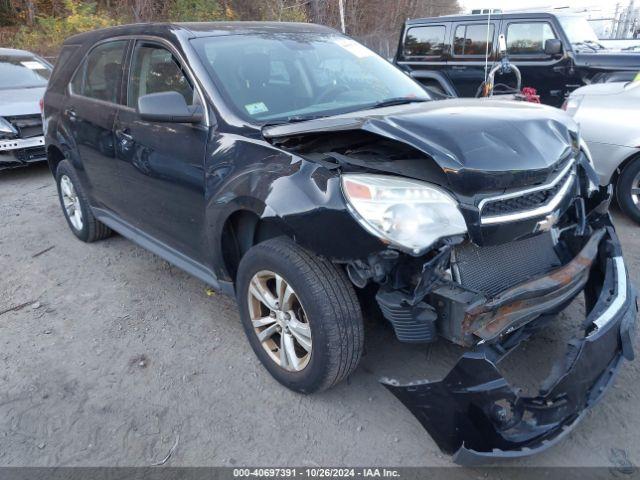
(552, 47)
(167, 107)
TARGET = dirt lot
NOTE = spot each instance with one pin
(114, 357)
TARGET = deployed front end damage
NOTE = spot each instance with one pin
(491, 297)
(530, 241)
(473, 413)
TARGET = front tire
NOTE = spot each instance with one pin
(300, 314)
(628, 190)
(75, 206)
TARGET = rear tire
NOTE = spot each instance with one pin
(75, 206)
(326, 301)
(628, 190)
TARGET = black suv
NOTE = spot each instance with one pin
(292, 167)
(556, 53)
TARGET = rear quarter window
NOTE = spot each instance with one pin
(424, 41)
(62, 67)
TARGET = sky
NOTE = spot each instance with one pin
(594, 7)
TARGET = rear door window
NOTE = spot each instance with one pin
(424, 41)
(472, 39)
(100, 75)
(154, 69)
(528, 38)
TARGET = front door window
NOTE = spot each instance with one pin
(153, 70)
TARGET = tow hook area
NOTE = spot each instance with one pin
(476, 416)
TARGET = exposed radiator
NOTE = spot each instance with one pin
(492, 269)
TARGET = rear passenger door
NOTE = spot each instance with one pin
(161, 163)
(470, 42)
(525, 47)
(95, 95)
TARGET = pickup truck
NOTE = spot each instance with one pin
(555, 52)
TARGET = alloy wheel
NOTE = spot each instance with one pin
(635, 190)
(71, 202)
(279, 321)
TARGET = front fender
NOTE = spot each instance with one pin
(302, 198)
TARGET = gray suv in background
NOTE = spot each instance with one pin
(23, 79)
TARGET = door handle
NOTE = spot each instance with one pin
(458, 67)
(124, 135)
(71, 113)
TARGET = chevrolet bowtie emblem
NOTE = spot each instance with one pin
(548, 222)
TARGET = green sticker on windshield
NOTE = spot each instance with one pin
(256, 108)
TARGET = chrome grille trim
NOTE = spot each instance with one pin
(566, 174)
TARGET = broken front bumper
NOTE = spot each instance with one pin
(475, 415)
(21, 152)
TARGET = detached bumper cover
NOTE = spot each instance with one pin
(20, 152)
(475, 415)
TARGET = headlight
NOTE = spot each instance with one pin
(572, 104)
(408, 214)
(6, 129)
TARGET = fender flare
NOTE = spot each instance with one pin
(439, 77)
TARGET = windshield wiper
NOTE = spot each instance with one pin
(384, 103)
(389, 102)
(293, 119)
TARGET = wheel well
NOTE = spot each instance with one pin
(429, 82)
(242, 230)
(621, 167)
(54, 157)
(436, 86)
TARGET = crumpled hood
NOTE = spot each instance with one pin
(480, 144)
(20, 101)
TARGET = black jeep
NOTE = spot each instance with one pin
(293, 168)
(556, 53)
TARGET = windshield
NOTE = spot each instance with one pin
(288, 77)
(22, 72)
(578, 29)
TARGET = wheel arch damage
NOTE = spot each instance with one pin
(249, 200)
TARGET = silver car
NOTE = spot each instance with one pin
(609, 117)
(23, 79)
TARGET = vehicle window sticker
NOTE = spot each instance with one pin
(354, 47)
(256, 108)
(33, 65)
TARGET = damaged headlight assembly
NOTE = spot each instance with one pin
(407, 214)
(6, 129)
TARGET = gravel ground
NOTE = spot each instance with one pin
(113, 357)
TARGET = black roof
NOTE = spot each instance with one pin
(199, 29)
(223, 28)
(496, 16)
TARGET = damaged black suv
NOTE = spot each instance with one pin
(291, 167)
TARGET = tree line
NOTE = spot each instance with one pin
(41, 25)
